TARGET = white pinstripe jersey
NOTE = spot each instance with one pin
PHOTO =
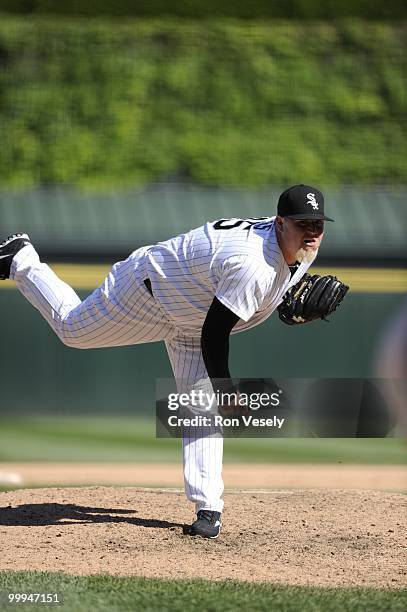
(236, 260)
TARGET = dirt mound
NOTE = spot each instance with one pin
(307, 537)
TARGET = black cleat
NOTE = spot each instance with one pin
(8, 248)
(207, 524)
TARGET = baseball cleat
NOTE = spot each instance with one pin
(206, 525)
(8, 248)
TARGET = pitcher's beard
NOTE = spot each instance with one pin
(304, 256)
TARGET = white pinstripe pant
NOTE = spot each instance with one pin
(121, 312)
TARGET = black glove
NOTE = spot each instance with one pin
(313, 297)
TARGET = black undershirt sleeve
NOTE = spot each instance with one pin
(216, 329)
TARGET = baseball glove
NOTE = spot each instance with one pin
(313, 297)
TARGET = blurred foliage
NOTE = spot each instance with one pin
(293, 9)
(98, 104)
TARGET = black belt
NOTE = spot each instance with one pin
(147, 283)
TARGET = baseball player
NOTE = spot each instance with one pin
(191, 292)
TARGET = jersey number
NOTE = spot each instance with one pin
(225, 224)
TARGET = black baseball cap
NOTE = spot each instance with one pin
(302, 202)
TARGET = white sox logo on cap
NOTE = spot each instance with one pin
(311, 200)
(302, 202)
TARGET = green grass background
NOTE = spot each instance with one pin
(47, 438)
(100, 593)
(97, 104)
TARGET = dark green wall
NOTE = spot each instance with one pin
(296, 9)
(39, 374)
